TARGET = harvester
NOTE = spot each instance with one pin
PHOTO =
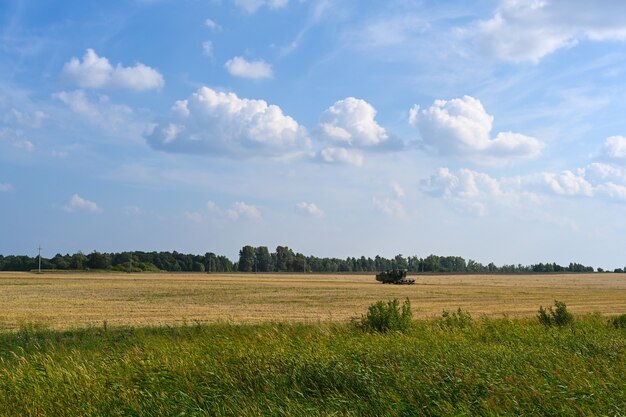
(394, 276)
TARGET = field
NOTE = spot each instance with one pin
(281, 345)
(71, 300)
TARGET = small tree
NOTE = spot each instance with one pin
(557, 316)
(387, 316)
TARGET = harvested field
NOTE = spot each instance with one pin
(69, 300)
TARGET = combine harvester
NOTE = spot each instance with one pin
(394, 276)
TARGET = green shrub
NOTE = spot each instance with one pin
(619, 322)
(557, 316)
(457, 319)
(387, 316)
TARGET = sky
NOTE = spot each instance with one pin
(490, 129)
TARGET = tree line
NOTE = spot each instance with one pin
(261, 259)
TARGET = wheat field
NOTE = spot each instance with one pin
(71, 300)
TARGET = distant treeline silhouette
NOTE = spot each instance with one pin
(260, 259)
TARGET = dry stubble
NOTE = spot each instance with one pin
(67, 300)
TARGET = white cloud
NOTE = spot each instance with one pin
(462, 127)
(342, 156)
(213, 122)
(241, 210)
(528, 30)
(390, 206)
(77, 203)
(614, 147)
(207, 48)
(309, 209)
(251, 6)
(212, 211)
(4, 187)
(567, 183)
(476, 191)
(239, 67)
(598, 173)
(211, 24)
(111, 117)
(351, 122)
(96, 72)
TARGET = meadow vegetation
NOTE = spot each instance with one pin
(445, 366)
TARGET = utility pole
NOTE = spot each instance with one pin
(39, 258)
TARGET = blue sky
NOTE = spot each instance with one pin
(493, 130)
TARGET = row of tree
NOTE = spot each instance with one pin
(260, 259)
(124, 261)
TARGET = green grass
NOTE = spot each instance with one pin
(487, 367)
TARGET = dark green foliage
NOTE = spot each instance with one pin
(557, 316)
(619, 322)
(283, 259)
(456, 320)
(387, 316)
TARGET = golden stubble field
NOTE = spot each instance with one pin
(69, 300)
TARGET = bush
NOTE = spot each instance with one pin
(387, 316)
(619, 322)
(557, 316)
(457, 319)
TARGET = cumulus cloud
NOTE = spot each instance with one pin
(528, 30)
(251, 6)
(77, 203)
(309, 209)
(341, 156)
(5, 188)
(241, 210)
(614, 147)
(469, 190)
(462, 127)
(96, 72)
(566, 183)
(239, 67)
(213, 122)
(475, 191)
(350, 126)
(351, 122)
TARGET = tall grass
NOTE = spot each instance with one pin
(485, 367)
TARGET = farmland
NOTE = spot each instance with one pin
(70, 300)
(281, 345)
